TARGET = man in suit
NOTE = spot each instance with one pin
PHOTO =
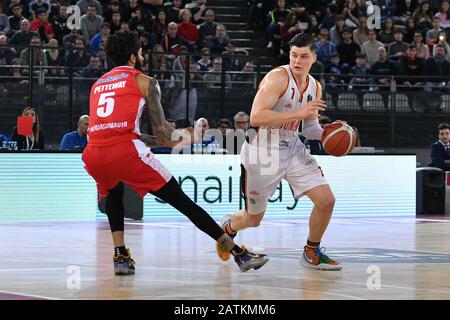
(440, 150)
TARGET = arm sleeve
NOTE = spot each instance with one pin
(311, 129)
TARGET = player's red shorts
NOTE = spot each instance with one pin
(131, 162)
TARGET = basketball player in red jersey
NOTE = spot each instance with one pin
(116, 153)
(287, 96)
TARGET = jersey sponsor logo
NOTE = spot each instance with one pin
(109, 87)
(288, 105)
(109, 125)
(113, 78)
(310, 162)
(291, 126)
(254, 193)
(309, 98)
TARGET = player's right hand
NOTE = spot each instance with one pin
(312, 109)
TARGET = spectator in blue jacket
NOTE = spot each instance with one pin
(325, 48)
(76, 140)
(440, 150)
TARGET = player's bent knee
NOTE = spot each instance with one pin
(328, 203)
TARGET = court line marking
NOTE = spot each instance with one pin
(29, 295)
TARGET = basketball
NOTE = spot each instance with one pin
(338, 139)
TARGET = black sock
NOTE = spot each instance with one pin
(121, 250)
(236, 250)
(312, 244)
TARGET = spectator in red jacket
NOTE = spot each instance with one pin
(42, 26)
(187, 30)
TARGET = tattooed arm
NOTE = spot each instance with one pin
(150, 89)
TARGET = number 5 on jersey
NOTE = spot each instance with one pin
(105, 104)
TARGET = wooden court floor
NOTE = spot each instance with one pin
(384, 258)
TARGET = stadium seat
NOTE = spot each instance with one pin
(348, 102)
(373, 102)
(445, 102)
(401, 103)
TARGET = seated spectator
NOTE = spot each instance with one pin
(6, 54)
(422, 50)
(325, 48)
(336, 31)
(42, 26)
(92, 71)
(207, 29)
(16, 18)
(288, 30)
(383, 69)
(205, 63)
(352, 14)
(39, 58)
(159, 28)
(187, 31)
(370, 48)
(313, 28)
(442, 41)
(34, 141)
(361, 34)
(258, 14)
(76, 140)
(386, 34)
(410, 29)
(77, 58)
(241, 121)
(444, 14)
(114, 8)
(335, 82)
(100, 38)
(227, 136)
(84, 6)
(59, 24)
(173, 11)
(91, 22)
(157, 58)
(247, 78)
(213, 78)
(55, 59)
(144, 40)
(140, 22)
(232, 61)
(116, 22)
(432, 34)
(171, 41)
(362, 69)
(124, 27)
(219, 42)
(278, 17)
(69, 39)
(423, 16)
(404, 9)
(347, 51)
(330, 18)
(198, 12)
(129, 8)
(36, 5)
(440, 150)
(439, 66)
(224, 125)
(23, 37)
(398, 48)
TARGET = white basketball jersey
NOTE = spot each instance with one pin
(291, 100)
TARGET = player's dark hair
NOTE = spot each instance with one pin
(443, 126)
(303, 40)
(120, 46)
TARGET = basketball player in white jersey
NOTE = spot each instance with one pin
(287, 96)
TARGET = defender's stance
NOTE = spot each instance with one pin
(287, 95)
(116, 153)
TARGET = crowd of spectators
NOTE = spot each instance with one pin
(410, 41)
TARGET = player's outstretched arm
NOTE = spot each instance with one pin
(272, 87)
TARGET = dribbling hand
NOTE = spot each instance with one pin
(312, 109)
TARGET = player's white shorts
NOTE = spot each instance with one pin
(260, 178)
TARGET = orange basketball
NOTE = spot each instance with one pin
(338, 139)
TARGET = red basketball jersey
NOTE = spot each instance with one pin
(116, 106)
